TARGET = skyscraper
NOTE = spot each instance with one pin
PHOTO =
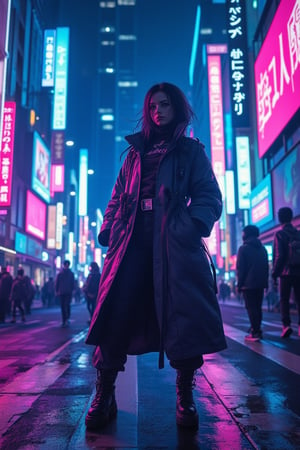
(116, 84)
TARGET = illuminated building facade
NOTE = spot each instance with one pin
(256, 48)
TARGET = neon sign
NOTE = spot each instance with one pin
(277, 75)
(6, 152)
(238, 58)
(48, 58)
(261, 202)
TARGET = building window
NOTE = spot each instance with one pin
(107, 4)
(126, 2)
(127, 37)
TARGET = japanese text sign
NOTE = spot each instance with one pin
(48, 58)
(238, 60)
(277, 74)
(6, 152)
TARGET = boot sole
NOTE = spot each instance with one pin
(100, 421)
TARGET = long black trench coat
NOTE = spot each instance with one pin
(185, 299)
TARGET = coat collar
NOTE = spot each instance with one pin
(137, 140)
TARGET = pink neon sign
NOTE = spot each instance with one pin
(6, 152)
(57, 178)
(216, 130)
(35, 216)
(277, 74)
(216, 115)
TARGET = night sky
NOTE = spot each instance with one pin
(165, 36)
(165, 31)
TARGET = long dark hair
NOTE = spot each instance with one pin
(182, 109)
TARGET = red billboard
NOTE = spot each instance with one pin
(277, 75)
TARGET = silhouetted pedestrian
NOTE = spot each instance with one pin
(91, 286)
(64, 286)
(285, 269)
(49, 292)
(252, 273)
(19, 292)
(224, 290)
(31, 291)
(6, 281)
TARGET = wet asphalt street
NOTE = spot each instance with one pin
(248, 396)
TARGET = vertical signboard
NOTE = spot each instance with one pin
(238, 59)
(243, 171)
(59, 225)
(216, 118)
(230, 192)
(61, 79)
(277, 74)
(6, 152)
(4, 30)
(57, 147)
(48, 58)
(83, 186)
(57, 178)
(217, 144)
(81, 255)
(51, 228)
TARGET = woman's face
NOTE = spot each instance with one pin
(161, 110)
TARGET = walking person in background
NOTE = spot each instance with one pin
(287, 269)
(19, 292)
(6, 281)
(64, 286)
(31, 291)
(157, 292)
(91, 286)
(48, 292)
(252, 273)
(77, 291)
(224, 290)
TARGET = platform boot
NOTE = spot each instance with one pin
(186, 412)
(104, 407)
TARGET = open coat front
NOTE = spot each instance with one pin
(187, 204)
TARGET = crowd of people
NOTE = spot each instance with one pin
(258, 280)
(17, 294)
(254, 274)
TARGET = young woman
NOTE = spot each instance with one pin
(157, 291)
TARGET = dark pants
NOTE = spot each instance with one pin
(4, 308)
(17, 304)
(253, 302)
(91, 304)
(65, 305)
(286, 284)
(131, 304)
